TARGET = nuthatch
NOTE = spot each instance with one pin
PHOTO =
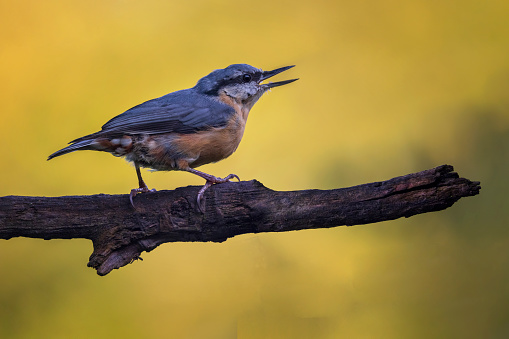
(184, 129)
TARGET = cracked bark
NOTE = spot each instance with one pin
(120, 233)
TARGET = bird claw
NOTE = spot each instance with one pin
(231, 176)
(136, 191)
(215, 180)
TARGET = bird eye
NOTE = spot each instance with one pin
(246, 77)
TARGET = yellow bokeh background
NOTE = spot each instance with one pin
(386, 88)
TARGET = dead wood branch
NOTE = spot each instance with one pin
(120, 233)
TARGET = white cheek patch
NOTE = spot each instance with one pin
(243, 92)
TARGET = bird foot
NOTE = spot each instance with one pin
(135, 191)
(211, 181)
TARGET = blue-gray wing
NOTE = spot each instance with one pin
(179, 112)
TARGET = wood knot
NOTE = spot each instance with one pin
(180, 217)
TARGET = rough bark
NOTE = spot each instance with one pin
(120, 232)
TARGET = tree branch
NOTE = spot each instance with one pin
(120, 233)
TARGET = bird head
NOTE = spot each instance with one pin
(241, 82)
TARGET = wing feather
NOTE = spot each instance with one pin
(179, 112)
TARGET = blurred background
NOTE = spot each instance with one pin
(386, 88)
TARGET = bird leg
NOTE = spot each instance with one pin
(143, 187)
(211, 180)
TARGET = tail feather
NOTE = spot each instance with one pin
(76, 146)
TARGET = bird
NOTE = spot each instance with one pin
(185, 129)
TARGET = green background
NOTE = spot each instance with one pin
(386, 88)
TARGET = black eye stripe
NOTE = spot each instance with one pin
(248, 77)
(240, 79)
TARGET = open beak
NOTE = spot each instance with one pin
(269, 74)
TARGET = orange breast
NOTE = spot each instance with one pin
(212, 145)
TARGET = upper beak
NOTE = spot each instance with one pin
(269, 74)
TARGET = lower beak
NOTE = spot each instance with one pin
(269, 74)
